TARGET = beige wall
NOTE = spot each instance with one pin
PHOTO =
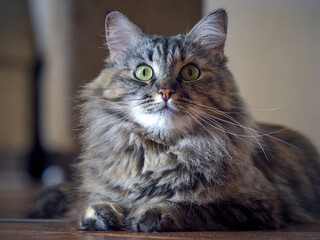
(274, 52)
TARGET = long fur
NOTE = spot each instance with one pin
(198, 161)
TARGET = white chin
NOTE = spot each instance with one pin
(163, 121)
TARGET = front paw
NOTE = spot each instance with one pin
(102, 217)
(156, 219)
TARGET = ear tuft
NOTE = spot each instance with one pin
(211, 31)
(121, 34)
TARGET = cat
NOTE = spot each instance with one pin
(168, 143)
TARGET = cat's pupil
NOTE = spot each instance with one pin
(190, 72)
(144, 72)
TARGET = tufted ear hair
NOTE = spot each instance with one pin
(211, 31)
(121, 34)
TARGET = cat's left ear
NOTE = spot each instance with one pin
(211, 31)
(121, 34)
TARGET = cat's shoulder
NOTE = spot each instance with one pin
(285, 137)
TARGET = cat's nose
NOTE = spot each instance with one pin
(166, 93)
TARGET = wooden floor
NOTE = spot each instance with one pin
(16, 196)
(14, 229)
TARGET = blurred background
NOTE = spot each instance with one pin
(49, 48)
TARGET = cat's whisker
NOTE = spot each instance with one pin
(211, 118)
(222, 120)
(235, 122)
(225, 130)
(263, 109)
(249, 132)
(138, 104)
(200, 105)
(261, 133)
(210, 133)
(251, 129)
(138, 99)
(240, 135)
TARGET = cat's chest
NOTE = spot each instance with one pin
(133, 163)
(156, 157)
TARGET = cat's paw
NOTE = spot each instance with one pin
(157, 219)
(102, 217)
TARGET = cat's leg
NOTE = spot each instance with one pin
(102, 217)
(156, 218)
(223, 216)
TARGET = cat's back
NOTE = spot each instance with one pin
(291, 163)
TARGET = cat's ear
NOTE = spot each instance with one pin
(121, 34)
(211, 31)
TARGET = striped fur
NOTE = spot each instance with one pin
(204, 164)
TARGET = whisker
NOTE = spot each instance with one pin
(265, 134)
(225, 130)
(235, 122)
(263, 109)
(240, 125)
(208, 131)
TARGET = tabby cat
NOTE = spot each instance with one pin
(169, 144)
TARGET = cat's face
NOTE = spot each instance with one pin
(167, 84)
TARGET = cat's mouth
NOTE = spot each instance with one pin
(165, 109)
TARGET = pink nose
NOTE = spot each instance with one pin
(166, 93)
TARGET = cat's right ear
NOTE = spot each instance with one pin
(121, 34)
(211, 32)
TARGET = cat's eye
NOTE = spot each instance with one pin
(143, 73)
(190, 72)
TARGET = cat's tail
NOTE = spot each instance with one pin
(53, 202)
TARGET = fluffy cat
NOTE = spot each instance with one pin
(169, 144)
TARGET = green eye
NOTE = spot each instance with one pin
(190, 72)
(144, 73)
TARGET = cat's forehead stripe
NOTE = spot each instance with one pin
(167, 49)
(150, 55)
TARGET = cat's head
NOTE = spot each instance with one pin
(166, 84)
